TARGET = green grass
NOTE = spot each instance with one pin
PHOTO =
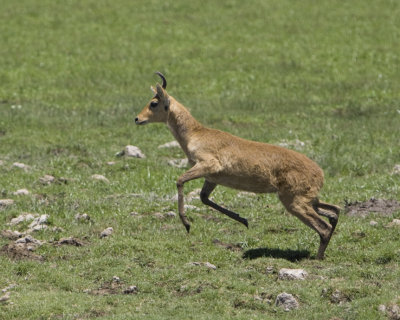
(74, 75)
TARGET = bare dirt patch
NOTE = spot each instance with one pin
(71, 241)
(380, 206)
(115, 286)
(228, 246)
(19, 251)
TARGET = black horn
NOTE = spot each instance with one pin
(164, 82)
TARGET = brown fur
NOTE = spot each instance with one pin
(224, 159)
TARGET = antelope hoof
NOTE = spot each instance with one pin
(187, 226)
(244, 221)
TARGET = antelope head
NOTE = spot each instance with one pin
(158, 107)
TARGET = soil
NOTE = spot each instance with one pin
(380, 206)
(19, 251)
(229, 246)
(114, 287)
(69, 241)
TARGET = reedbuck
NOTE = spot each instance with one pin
(221, 158)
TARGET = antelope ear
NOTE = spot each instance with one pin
(153, 90)
(162, 94)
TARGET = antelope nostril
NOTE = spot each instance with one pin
(136, 119)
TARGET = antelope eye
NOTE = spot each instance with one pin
(153, 104)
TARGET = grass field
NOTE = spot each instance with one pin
(73, 76)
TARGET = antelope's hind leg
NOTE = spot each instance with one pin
(302, 208)
(328, 210)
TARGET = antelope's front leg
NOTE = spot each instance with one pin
(199, 170)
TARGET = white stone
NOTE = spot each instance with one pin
(106, 232)
(47, 179)
(29, 239)
(39, 221)
(21, 165)
(210, 265)
(394, 223)
(286, 301)
(396, 169)
(6, 202)
(5, 297)
(205, 264)
(22, 218)
(131, 290)
(179, 163)
(382, 308)
(21, 192)
(100, 177)
(172, 144)
(83, 216)
(131, 151)
(170, 214)
(292, 274)
(373, 223)
(8, 288)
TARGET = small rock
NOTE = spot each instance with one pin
(286, 301)
(382, 308)
(6, 202)
(40, 221)
(292, 274)
(210, 266)
(111, 163)
(57, 229)
(71, 241)
(205, 264)
(172, 144)
(393, 312)
(373, 223)
(8, 288)
(170, 214)
(134, 214)
(21, 192)
(1, 162)
(396, 169)
(21, 166)
(394, 223)
(131, 151)
(179, 163)
(339, 297)
(11, 235)
(47, 179)
(116, 279)
(22, 218)
(5, 297)
(106, 232)
(131, 290)
(158, 215)
(37, 227)
(100, 177)
(29, 239)
(82, 217)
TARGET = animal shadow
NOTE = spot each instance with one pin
(288, 254)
